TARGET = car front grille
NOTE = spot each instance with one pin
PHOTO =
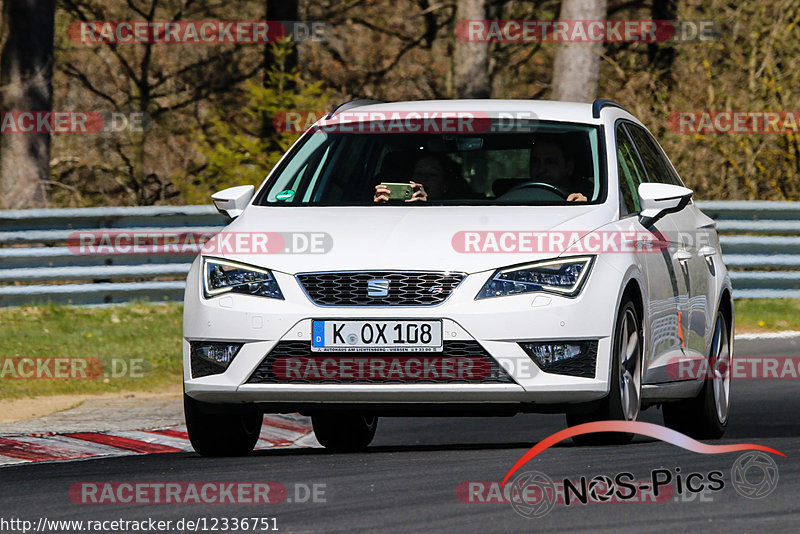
(483, 369)
(379, 288)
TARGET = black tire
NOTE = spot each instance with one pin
(220, 434)
(344, 432)
(611, 407)
(698, 417)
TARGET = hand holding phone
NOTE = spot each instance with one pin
(398, 191)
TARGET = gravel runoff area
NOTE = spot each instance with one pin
(93, 413)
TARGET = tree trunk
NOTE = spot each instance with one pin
(662, 55)
(471, 60)
(26, 79)
(577, 65)
(282, 10)
(285, 10)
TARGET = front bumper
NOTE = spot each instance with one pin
(498, 325)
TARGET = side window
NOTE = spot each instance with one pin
(670, 169)
(657, 169)
(631, 173)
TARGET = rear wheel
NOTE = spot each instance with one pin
(706, 416)
(624, 399)
(220, 434)
(344, 432)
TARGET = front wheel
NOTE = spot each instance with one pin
(344, 432)
(220, 434)
(624, 399)
(706, 416)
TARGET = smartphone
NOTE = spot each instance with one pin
(399, 191)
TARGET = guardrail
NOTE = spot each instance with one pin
(760, 242)
(33, 249)
(760, 245)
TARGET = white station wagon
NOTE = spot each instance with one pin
(465, 257)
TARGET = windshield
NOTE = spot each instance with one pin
(541, 164)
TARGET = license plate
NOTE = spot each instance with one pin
(376, 336)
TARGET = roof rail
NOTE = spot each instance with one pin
(601, 103)
(352, 104)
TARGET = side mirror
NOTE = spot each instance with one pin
(658, 200)
(232, 201)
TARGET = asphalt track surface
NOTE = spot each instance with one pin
(406, 482)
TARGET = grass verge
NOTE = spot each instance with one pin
(767, 315)
(133, 347)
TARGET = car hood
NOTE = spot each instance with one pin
(399, 237)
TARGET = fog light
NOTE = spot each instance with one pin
(572, 358)
(212, 358)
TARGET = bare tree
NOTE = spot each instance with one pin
(373, 47)
(662, 55)
(26, 72)
(285, 10)
(170, 88)
(577, 65)
(471, 60)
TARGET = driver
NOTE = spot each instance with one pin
(548, 165)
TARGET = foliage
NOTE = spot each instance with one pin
(175, 85)
(754, 65)
(211, 104)
(241, 149)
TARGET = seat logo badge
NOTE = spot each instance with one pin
(378, 287)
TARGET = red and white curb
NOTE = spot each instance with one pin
(278, 431)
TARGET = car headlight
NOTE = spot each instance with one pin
(563, 276)
(222, 276)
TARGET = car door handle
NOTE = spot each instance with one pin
(683, 255)
(707, 251)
